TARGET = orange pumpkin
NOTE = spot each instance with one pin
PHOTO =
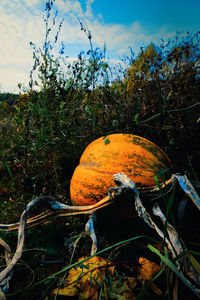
(133, 155)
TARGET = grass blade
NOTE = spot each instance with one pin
(175, 270)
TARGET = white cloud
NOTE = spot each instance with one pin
(89, 12)
(21, 22)
(71, 7)
(10, 77)
(18, 26)
(118, 37)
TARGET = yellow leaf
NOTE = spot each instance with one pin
(85, 280)
(148, 269)
(123, 288)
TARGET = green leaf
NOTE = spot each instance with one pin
(194, 262)
(136, 118)
(158, 183)
(62, 104)
(8, 169)
(170, 264)
(31, 104)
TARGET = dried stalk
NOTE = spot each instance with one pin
(4, 284)
(54, 208)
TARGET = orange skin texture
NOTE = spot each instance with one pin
(138, 158)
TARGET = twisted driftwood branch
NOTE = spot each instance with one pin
(174, 243)
(54, 208)
(4, 284)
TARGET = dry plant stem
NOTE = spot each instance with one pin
(123, 185)
(89, 230)
(20, 245)
(188, 188)
(2, 295)
(173, 241)
(124, 182)
(57, 209)
(169, 111)
(54, 208)
(4, 284)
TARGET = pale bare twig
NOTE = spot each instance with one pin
(169, 111)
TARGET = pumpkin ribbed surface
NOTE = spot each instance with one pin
(135, 156)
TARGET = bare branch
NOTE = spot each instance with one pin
(169, 111)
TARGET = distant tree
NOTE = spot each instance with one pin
(8, 98)
(143, 67)
(165, 74)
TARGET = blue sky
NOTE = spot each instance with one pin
(118, 23)
(152, 14)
